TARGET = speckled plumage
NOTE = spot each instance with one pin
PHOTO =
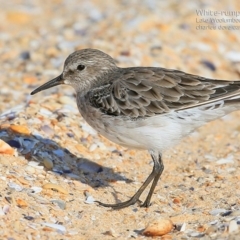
(143, 107)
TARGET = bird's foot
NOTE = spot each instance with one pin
(121, 205)
(146, 204)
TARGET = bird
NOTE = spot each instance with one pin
(145, 108)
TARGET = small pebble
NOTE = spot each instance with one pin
(102, 146)
(47, 130)
(233, 56)
(48, 163)
(21, 203)
(33, 163)
(45, 112)
(213, 222)
(14, 143)
(66, 170)
(88, 129)
(225, 160)
(27, 143)
(15, 186)
(25, 55)
(36, 189)
(235, 213)
(226, 213)
(59, 152)
(233, 227)
(60, 203)
(4, 210)
(215, 212)
(158, 227)
(5, 148)
(211, 229)
(29, 218)
(93, 147)
(196, 234)
(22, 129)
(30, 169)
(89, 167)
(55, 187)
(209, 65)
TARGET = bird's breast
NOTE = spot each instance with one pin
(115, 128)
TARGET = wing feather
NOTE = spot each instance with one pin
(144, 92)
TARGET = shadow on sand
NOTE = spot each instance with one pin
(65, 163)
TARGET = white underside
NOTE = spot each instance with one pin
(153, 133)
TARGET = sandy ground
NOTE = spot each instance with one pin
(55, 165)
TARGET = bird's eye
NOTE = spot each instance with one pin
(80, 67)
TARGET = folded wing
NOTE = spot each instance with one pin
(144, 92)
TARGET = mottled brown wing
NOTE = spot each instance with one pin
(143, 92)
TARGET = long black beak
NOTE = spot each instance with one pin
(52, 83)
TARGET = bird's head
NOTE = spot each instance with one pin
(83, 70)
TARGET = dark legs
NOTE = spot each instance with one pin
(154, 176)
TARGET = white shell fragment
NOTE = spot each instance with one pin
(55, 226)
(89, 200)
(15, 186)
